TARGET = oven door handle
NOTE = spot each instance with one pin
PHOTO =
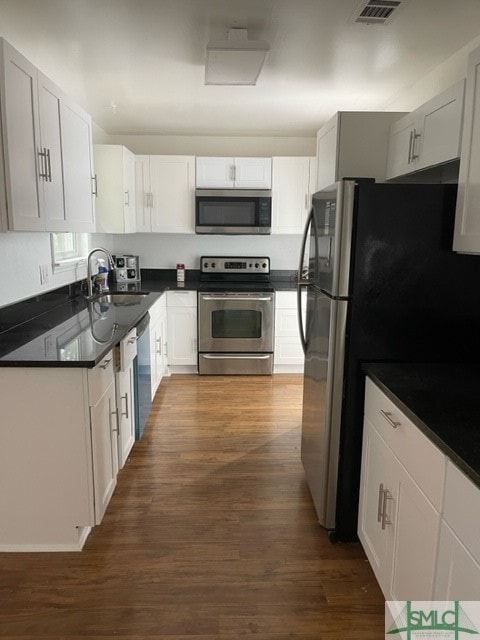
(234, 298)
(235, 356)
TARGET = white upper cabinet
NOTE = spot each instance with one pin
(293, 179)
(467, 222)
(115, 204)
(47, 152)
(21, 142)
(77, 154)
(51, 183)
(353, 145)
(234, 173)
(429, 136)
(165, 195)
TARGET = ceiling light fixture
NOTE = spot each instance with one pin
(235, 61)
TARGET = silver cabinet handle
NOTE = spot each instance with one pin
(125, 397)
(105, 363)
(43, 164)
(127, 198)
(110, 414)
(159, 350)
(380, 502)
(391, 421)
(410, 148)
(385, 519)
(415, 137)
(95, 185)
(49, 166)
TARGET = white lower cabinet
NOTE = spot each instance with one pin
(182, 331)
(288, 352)
(458, 570)
(66, 438)
(104, 431)
(158, 342)
(125, 396)
(399, 513)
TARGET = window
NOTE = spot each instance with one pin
(69, 250)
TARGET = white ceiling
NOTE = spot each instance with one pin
(147, 57)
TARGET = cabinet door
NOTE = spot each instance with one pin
(401, 143)
(413, 537)
(126, 413)
(49, 98)
(372, 518)
(21, 140)
(77, 167)
(290, 194)
(158, 338)
(327, 149)
(129, 199)
(467, 221)
(182, 335)
(253, 173)
(142, 194)
(216, 173)
(441, 127)
(458, 572)
(104, 450)
(172, 180)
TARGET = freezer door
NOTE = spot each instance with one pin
(322, 399)
(333, 214)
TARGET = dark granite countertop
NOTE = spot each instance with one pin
(75, 334)
(60, 329)
(443, 401)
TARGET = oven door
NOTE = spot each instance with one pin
(235, 322)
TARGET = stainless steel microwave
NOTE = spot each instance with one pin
(233, 211)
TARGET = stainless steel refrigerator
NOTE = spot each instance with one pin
(383, 285)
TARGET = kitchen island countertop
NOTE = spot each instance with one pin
(442, 400)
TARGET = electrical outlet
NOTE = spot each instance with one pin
(44, 273)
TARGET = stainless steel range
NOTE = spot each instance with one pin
(236, 310)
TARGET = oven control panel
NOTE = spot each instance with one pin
(222, 264)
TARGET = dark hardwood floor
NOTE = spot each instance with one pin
(210, 535)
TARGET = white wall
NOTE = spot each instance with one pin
(217, 145)
(21, 256)
(440, 78)
(163, 251)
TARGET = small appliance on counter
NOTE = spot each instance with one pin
(126, 269)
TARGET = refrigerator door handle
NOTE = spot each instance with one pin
(300, 285)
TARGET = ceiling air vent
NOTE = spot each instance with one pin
(376, 11)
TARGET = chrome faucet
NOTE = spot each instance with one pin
(108, 255)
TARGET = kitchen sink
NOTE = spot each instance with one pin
(120, 299)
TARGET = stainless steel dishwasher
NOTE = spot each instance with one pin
(143, 376)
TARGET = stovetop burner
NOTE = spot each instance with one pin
(232, 273)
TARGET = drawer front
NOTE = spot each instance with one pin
(157, 309)
(462, 508)
(128, 349)
(100, 378)
(182, 298)
(420, 457)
